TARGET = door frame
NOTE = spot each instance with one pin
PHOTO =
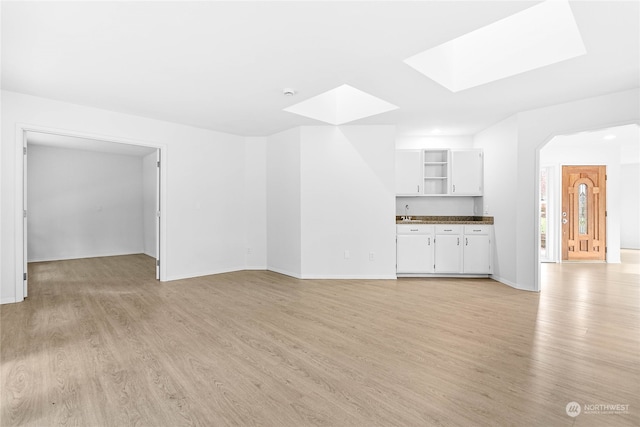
(551, 214)
(21, 188)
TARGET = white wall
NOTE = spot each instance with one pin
(436, 206)
(500, 146)
(348, 192)
(203, 176)
(283, 203)
(83, 204)
(149, 203)
(630, 206)
(557, 153)
(408, 142)
(254, 211)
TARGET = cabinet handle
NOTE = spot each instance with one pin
(429, 241)
(418, 186)
(454, 188)
(466, 241)
(458, 241)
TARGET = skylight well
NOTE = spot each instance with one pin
(341, 105)
(542, 35)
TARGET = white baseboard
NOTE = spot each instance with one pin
(95, 255)
(285, 272)
(203, 273)
(510, 283)
(7, 300)
(349, 277)
(441, 275)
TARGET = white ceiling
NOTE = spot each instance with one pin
(223, 65)
(625, 139)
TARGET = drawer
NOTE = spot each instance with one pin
(414, 229)
(448, 229)
(477, 229)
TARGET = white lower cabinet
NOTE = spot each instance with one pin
(477, 249)
(448, 252)
(414, 249)
(451, 249)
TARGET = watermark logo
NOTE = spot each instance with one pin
(573, 409)
(605, 408)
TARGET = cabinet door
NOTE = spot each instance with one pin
(448, 253)
(476, 254)
(415, 254)
(466, 172)
(408, 172)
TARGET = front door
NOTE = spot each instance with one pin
(583, 213)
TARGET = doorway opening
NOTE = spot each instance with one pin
(87, 197)
(618, 150)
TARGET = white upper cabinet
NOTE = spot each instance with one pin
(439, 172)
(466, 172)
(409, 178)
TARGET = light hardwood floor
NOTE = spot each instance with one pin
(99, 342)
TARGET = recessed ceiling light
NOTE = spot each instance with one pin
(541, 35)
(288, 91)
(609, 137)
(341, 105)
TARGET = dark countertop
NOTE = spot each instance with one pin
(447, 220)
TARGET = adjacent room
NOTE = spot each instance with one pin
(320, 213)
(89, 198)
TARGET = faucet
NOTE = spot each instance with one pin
(406, 213)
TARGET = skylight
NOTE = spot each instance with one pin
(341, 105)
(536, 37)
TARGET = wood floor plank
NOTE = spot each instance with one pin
(99, 342)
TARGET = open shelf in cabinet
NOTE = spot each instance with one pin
(436, 172)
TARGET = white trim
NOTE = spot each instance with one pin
(21, 128)
(510, 283)
(201, 274)
(552, 214)
(285, 272)
(332, 277)
(444, 276)
(256, 267)
(92, 255)
(158, 214)
(19, 215)
(349, 277)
